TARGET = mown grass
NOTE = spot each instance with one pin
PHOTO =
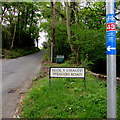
(67, 98)
(18, 52)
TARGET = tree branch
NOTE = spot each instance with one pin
(57, 12)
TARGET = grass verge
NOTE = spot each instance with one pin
(66, 98)
(18, 52)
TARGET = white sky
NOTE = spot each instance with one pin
(118, 16)
(42, 38)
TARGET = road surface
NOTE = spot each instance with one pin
(16, 78)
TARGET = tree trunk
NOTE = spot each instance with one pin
(68, 27)
(74, 12)
(37, 42)
(31, 22)
(53, 30)
(19, 25)
(26, 18)
(14, 31)
(73, 16)
(12, 44)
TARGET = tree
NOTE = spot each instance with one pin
(53, 30)
(68, 27)
(21, 20)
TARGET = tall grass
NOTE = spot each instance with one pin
(66, 98)
(17, 52)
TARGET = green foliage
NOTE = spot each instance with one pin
(86, 63)
(93, 16)
(19, 24)
(118, 53)
(118, 103)
(17, 52)
(47, 55)
(61, 45)
(6, 35)
(87, 28)
(1, 53)
(89, 44)
(87, 33)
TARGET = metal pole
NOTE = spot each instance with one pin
(111, 58)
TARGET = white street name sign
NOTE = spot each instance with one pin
(67, 72)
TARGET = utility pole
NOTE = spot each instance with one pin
(111, 58)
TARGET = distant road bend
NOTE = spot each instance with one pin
(16, 78)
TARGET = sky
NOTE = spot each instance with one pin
(42, 38)
(118, 22)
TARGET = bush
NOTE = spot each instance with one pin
(17, 52)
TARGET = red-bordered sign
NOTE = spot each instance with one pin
(110, 27)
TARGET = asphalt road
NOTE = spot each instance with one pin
(16, 78)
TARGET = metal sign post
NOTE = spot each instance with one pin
(111, 58)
